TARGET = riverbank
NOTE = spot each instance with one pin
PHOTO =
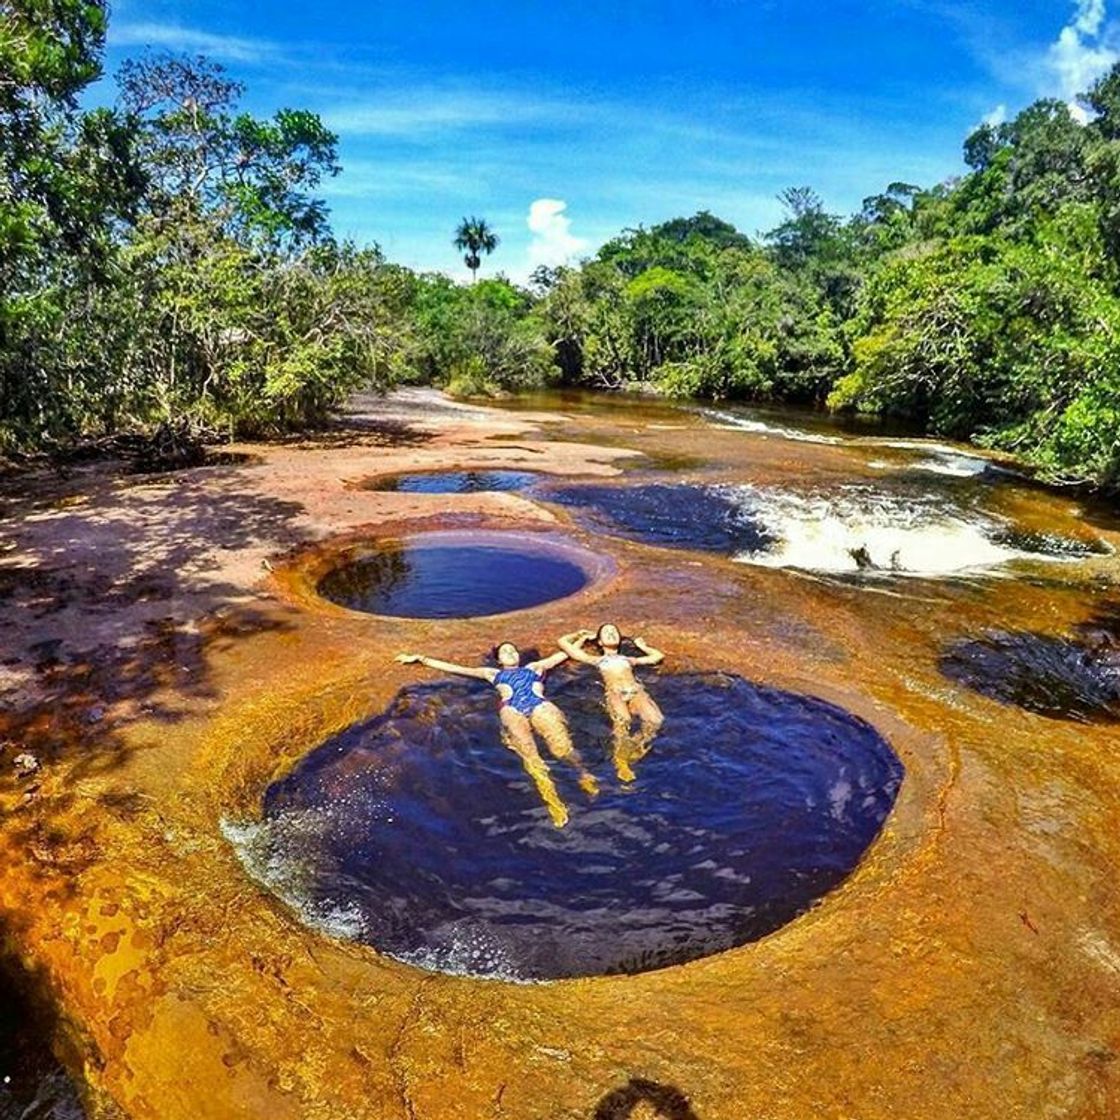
(167, 658)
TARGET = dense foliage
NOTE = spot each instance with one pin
(986, 308)
(166, 267)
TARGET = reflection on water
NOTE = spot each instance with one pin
(418, 833)
(429, 580)
(453, 482)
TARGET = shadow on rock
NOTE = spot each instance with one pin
(32, 1081)
(113, 602)
(667, 1102)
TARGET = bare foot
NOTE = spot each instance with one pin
(622, 768)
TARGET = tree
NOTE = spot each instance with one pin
(67, 180)
(252, 177)
(473, 237)
(706, 226)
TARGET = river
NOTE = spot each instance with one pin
(935, 592)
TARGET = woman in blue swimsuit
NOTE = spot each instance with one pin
(523, 710)
(625, 696)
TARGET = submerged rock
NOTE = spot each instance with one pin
(1074, 678)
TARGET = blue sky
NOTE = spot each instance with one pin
(562, 124)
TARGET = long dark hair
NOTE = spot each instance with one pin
(599, 635)
(524, 655)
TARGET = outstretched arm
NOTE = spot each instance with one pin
(572, 645)
(652, 656)
(481, 673)
(550, 662)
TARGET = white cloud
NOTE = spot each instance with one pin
(552, 243)
(426, 111)
(177, 38)
(1089, 17)
(1081, 53)
(996, 117)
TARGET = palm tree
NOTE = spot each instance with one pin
(475, 236)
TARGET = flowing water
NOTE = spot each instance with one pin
(416, 831)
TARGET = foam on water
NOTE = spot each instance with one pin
(860, 528)
(762, 428)
(952, 464)
(940, 458)
(265, 849)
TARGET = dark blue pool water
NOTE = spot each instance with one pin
(427, 580)
(453, 482)
(707, 518)
(1050, 544)
(1062, 677)
(419, 833)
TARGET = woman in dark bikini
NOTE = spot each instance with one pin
(523, 710)
(625, 695)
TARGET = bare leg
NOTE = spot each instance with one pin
(549, 722)
(517, 734)
(619, 711)
(647, 711)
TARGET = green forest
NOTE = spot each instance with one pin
(167, 272)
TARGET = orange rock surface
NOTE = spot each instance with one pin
(166, 658)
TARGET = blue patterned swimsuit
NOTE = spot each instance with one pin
(521, 680)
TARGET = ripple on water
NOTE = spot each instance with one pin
(453, 482)
(425, 835)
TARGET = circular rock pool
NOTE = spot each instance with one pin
(452, 482)
(447, 575)
(419, 833)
